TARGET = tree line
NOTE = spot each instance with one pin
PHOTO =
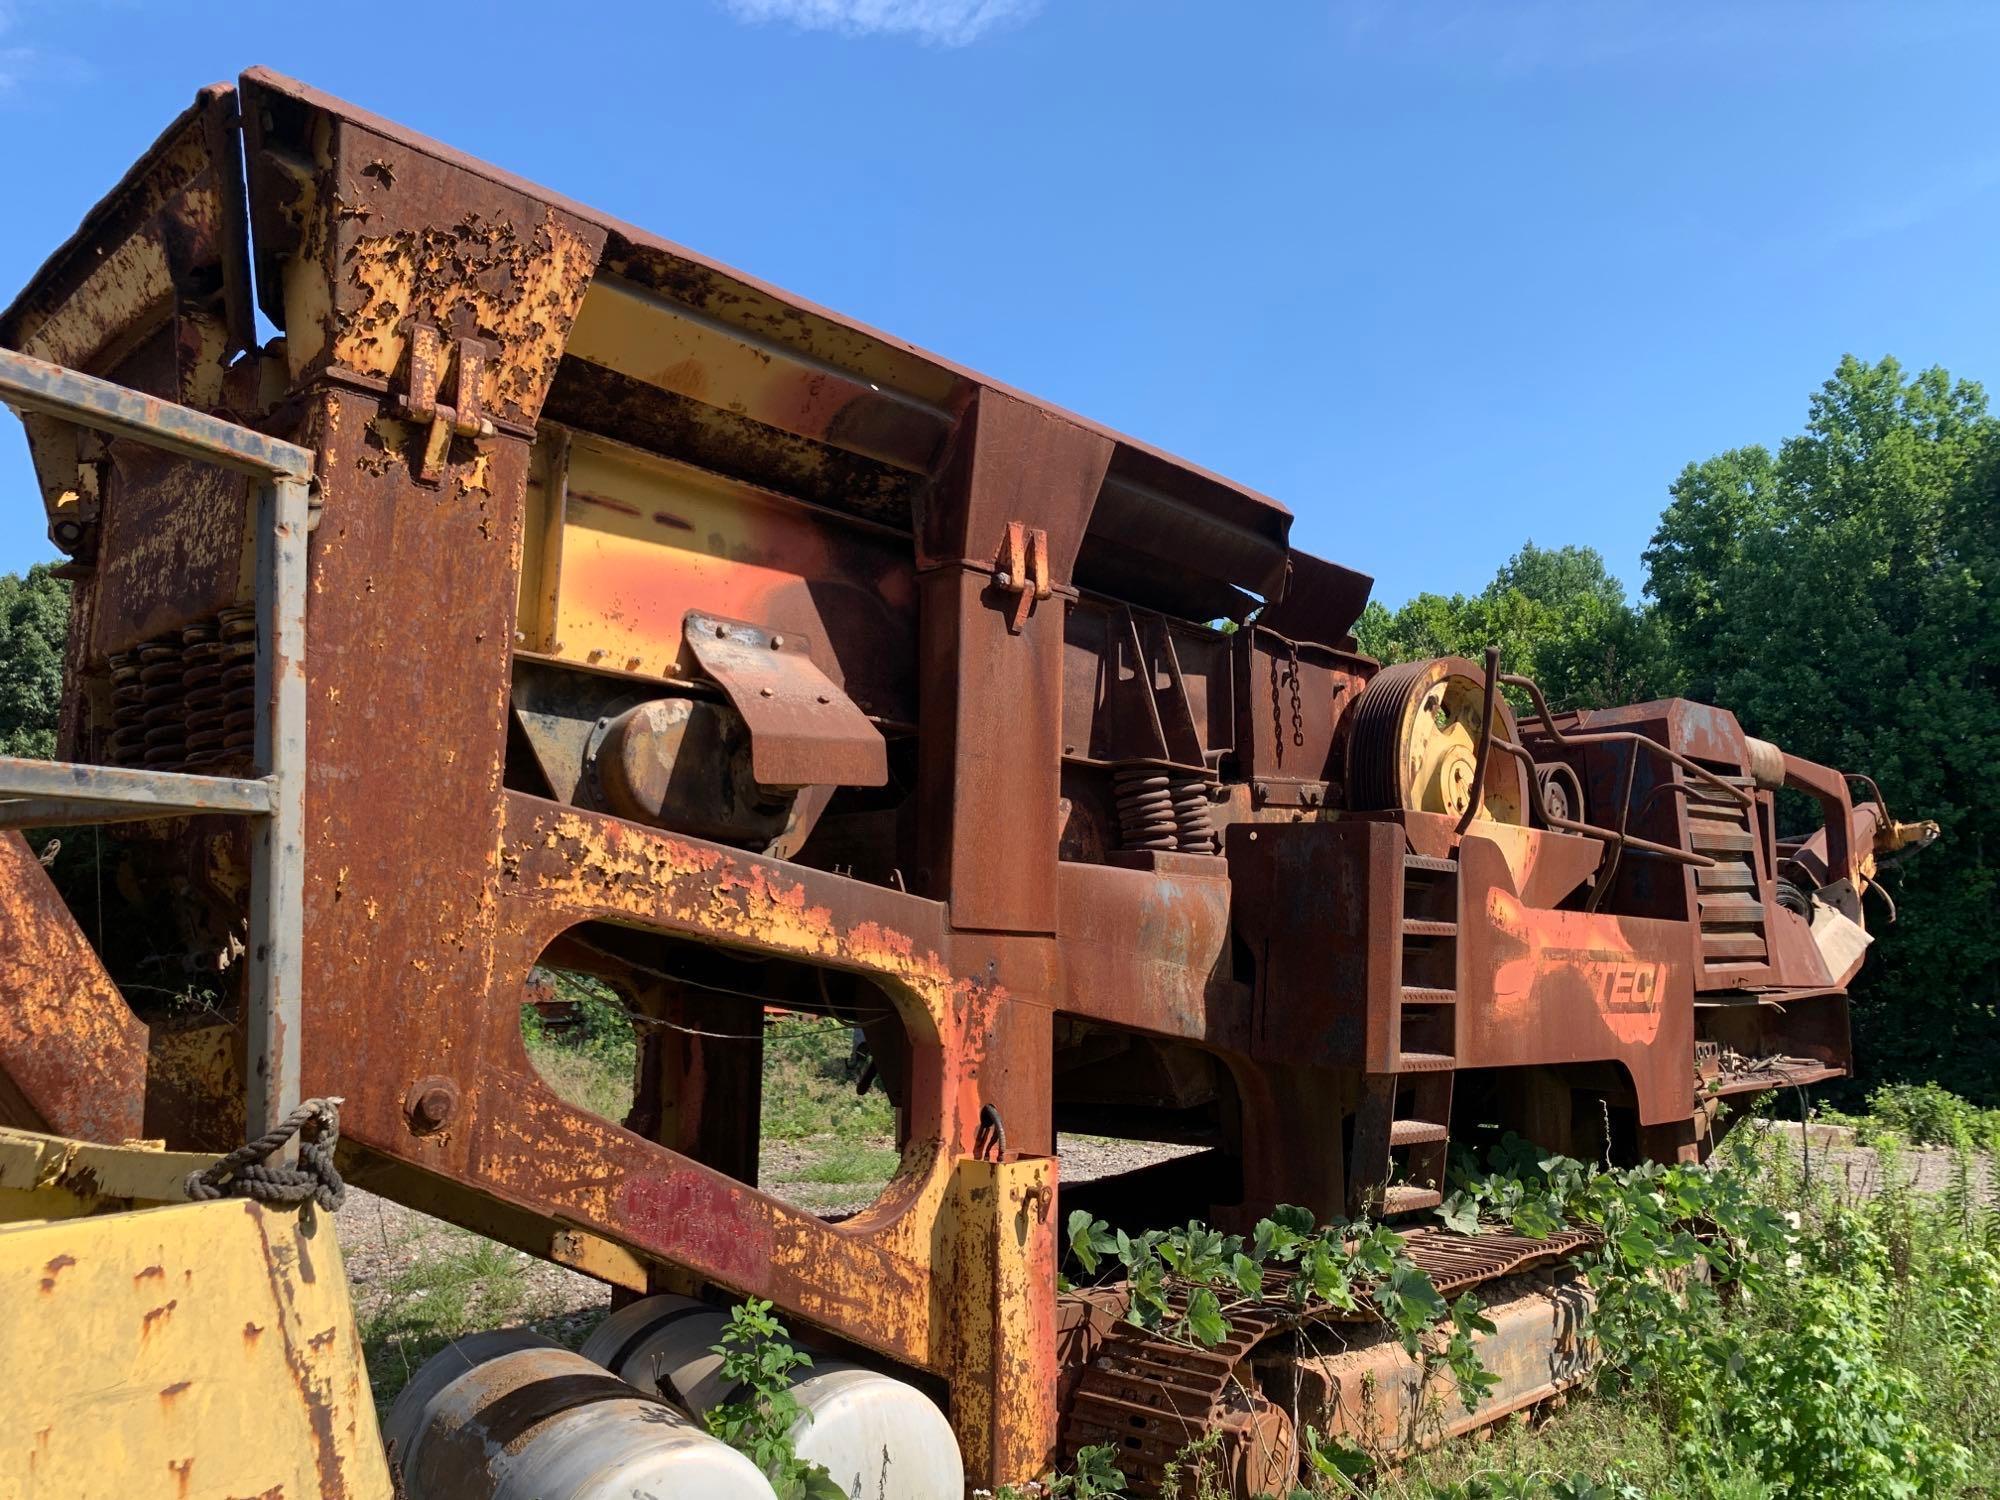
(1838, 593)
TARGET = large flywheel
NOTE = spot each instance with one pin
(1414, 744)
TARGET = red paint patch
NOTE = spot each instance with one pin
(54, 1269)
(709, 1220)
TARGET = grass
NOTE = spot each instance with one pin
(809, 1085)
(465, 1285)
(809, 1072)
(851, 1162)
(586, 1079)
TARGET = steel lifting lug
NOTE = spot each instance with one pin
(1021, 568)
(421, 401)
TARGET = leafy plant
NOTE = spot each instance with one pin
(756, 1355)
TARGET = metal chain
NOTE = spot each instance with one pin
(1298, 716)
(1277, 715)
(245, 1172)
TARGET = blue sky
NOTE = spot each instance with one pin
(1441, 277)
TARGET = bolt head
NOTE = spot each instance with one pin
(777, 643)
(430, 1104)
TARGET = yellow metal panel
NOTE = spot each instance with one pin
(645, 541)
(195, 1352)
(996, 1314)
(61, 1171)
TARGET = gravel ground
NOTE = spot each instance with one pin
(1861, 1169)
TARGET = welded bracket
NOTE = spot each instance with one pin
(804, 731)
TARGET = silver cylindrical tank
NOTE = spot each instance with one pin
(514, 1416)
(879, 1437)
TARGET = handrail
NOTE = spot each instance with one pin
(1610, 736)
(1485, 745)
(1617, 838)
(42, 793)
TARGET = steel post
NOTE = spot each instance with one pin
(277, 885)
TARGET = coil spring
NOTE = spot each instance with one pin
(187, 700)
(160, 697)
(201, 693)
(128, 711)
(1160, 808)
(238, 654)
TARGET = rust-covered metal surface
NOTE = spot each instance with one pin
(669, 630)
(72, 1054)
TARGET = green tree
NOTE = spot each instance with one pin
(34, 620)
(1839, 597)
(1557, 615)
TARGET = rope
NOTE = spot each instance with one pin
(246, 1172)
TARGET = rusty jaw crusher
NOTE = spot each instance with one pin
(546, 597)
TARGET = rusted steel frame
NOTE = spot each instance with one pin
(1528, 685)
(1591, 830)
(1485, 745)
(277, 899)
(34, 793)
(1599, 887)
(1828, 787)
(1142, 667)
(33, 385)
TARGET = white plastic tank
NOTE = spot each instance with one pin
(880, 1438)
(514, 1416)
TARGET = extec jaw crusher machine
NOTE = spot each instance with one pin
(543, 595)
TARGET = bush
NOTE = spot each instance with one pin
(1927, 1115)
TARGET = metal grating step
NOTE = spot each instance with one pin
(1427, 862)
(1729, 906)
(1418, 994)
(1425, 1062)
(1406, 1198)
(1417, 1133)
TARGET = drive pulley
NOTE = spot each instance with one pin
(1414, 744)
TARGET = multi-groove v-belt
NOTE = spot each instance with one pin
(1149, 1397)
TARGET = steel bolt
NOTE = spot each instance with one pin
(765, 692)
(777, 642)
(431, 1104)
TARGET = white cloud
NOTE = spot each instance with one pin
(943, 23)
(16, 63)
